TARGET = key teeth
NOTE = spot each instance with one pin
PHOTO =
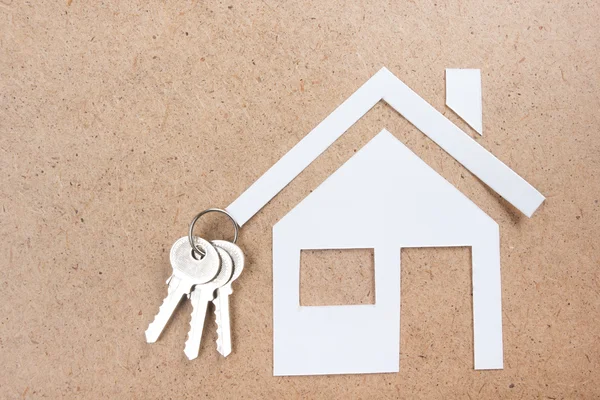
(190, 352)
(151, 336)
(219, 329)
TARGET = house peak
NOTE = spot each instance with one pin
(384, 85)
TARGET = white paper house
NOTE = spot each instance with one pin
(384, 198)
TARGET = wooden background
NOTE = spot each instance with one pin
(120, 120)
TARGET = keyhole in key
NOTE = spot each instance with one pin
(196, 256)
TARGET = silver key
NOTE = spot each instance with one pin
(201, 296)
(187, 272)
(221, 301)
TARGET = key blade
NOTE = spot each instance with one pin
(223, 319)
(165, 311)
(200, 301)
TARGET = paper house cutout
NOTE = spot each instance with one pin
(324, 340)
(385, 198)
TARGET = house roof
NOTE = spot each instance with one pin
(387, 87)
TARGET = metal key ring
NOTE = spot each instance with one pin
(208, 210)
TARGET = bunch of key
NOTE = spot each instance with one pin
(202, 272)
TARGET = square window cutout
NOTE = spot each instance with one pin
(337, 277)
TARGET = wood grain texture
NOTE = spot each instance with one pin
(120, 120)
(337, 277)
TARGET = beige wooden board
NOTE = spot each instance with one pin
(120, 120)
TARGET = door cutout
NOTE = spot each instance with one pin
(437, 308)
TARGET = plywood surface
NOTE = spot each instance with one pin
(120, 120)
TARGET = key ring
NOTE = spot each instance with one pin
(208, 210)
